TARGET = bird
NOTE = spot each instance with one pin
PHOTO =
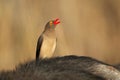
(46, 43)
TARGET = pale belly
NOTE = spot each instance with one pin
(48, 48)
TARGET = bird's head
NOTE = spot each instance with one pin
(52, 24)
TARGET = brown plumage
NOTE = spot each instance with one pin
(47, 41)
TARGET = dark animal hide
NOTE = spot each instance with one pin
(63, 68)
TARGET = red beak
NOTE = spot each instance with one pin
(56, 21)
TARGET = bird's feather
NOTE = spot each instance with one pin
(39, 44)
(48, 46)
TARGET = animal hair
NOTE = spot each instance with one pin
(62, 68)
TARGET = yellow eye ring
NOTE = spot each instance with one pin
(50, 22)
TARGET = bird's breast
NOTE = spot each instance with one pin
(48, 47)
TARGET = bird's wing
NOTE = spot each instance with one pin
(39, 44)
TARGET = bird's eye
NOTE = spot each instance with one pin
(50, 23)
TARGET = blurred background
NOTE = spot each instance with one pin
(88, 28)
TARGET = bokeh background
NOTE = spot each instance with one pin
(88, 28)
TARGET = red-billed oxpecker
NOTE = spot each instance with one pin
(47, 41)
